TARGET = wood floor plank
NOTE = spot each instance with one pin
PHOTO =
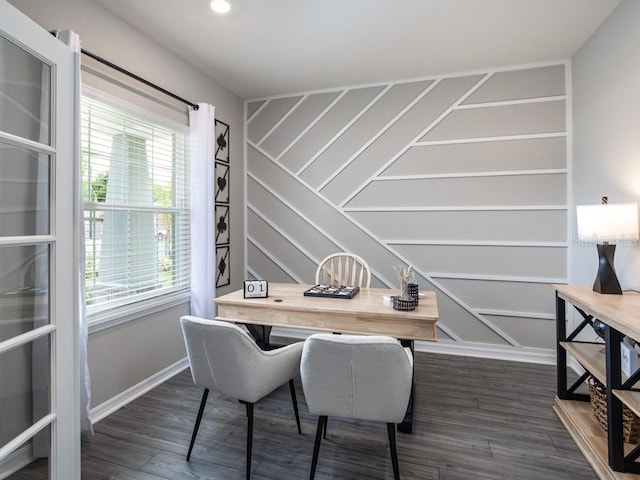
(474, 419)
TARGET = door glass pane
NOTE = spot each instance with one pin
(39, 468)
(24, 191)
(25, 93)
(24, 290)
(24, 397)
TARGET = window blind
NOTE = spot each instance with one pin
(136, 214)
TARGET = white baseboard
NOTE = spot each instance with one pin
(107, 408)
(482, 350)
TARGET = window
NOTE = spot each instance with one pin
(136, 206)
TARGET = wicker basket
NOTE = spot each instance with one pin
(630, 421)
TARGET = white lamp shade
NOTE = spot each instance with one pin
(611, 222)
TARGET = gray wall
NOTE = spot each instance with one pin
(122, 356)
(606, 118)
(464, 177)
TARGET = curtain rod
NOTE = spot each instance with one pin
(140, 79)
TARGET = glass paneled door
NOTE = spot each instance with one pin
(39, 413)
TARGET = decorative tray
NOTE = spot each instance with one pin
(332, 291)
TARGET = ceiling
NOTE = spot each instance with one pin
(271, 47)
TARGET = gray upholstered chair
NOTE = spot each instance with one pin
(224, 358)
(359, 377)
(344, 269)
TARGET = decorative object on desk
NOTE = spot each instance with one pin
(332, 291)
(222, 142)
(605, 223)
(256, 289)
(414, 291)
(630, 421)
(404, 301)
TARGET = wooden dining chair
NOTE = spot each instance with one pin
(344, 269)
(224, 358)
(356, 376)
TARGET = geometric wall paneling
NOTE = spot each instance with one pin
(393, 137)
(304, 114)
(471, 191)
(222, 183)
(252, 107)
(222, 142)
(465, 177)
(222, 224)
(491, 261)
(328, 125)
(512, 85)
(536, 226)
(370, 123)
(223, 271)
(485, 156)
(534, 332)
(501, 120)
(268, 116)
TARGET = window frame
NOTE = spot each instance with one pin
(106, 317)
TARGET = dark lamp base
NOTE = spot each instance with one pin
(606, 280)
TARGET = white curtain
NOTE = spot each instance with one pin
(203, 253)
(73, 40)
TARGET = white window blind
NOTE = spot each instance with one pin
(136, 197)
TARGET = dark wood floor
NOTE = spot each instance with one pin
(474, 419)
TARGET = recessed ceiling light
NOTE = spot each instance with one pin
(220, 6)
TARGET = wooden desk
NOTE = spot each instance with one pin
(367, 313)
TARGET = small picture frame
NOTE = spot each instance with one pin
(223, 274)
(222, 141)
(256, 289)
(222, 183)
(222, 224)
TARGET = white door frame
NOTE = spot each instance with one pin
(64, 416)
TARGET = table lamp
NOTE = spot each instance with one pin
(605, 224)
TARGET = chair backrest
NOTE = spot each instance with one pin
(356, 376)
(344, 269)
(223, 357)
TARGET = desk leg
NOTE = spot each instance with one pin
(406, 426)
(260, 334)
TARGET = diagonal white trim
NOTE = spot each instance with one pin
(310, 126)
(274, 259)
(269, 222)
(496, 278)
(357, 224)
(500, 138)
(260, 108)
(364, 110)
(510, 313)
(520, 101)
(474, 243)
(421, 134)
(284, 117)
(496, 173)
(461, 208)
(378, 134)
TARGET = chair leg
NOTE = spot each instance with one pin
(294, 400)
(322, 425)
(249, 437)
(203, 402)
(391, 428)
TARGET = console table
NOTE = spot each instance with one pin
(607, 453)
